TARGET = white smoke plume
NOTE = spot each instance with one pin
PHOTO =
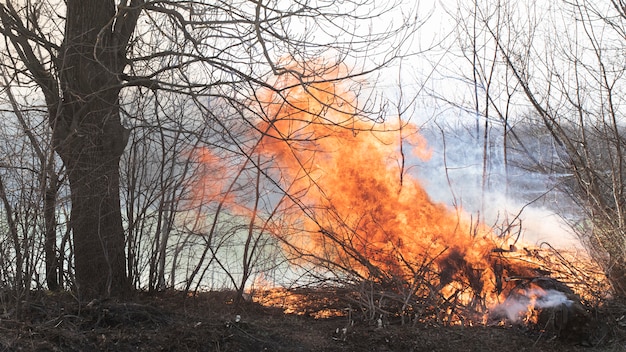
(516, 305)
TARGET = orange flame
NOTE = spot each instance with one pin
(359, 211)
(366, 213)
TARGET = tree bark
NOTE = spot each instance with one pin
(90, 139)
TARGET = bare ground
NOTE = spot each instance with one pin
(173, 321)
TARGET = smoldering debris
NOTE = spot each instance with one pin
(519, 304)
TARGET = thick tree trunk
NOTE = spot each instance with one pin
(91, 152)
(99, 243)
(90, 139)
(87, 131)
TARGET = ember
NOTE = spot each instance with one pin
(317, 303)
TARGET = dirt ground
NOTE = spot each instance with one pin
(174, 321)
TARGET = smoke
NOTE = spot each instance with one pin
(463, 174)
(518, 304)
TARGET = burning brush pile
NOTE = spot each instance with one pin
(553, 303)
(367, 228)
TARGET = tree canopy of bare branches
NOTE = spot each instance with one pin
(95, 62)
(558, 66)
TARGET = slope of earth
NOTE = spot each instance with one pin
(173, 321)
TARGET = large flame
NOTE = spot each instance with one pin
(366, 214)
(349, 206)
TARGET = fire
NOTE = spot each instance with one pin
(318, 304)
(364, 221)
(366, 215)
(212, 184)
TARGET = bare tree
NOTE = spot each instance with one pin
(562, 62)
(84, 55)
(30, 188)
(51, 182)
(78, 77)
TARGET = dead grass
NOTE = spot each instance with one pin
(172, 321)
